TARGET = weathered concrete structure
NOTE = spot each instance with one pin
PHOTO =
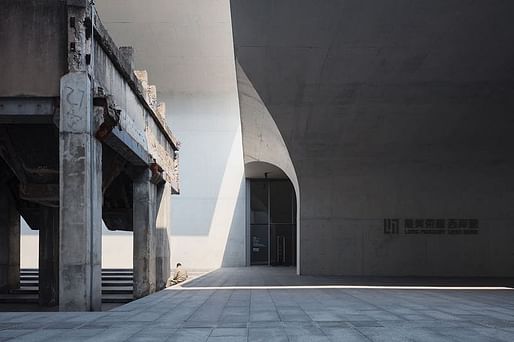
(83, 139)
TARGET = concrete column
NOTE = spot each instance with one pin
(49, 257)
(144, 214)
(9, 242)
(80, 198)
(162, 259)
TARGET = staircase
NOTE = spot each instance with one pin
(117, 286)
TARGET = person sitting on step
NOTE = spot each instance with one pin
(179, 276)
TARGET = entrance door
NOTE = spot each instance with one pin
(272, 222)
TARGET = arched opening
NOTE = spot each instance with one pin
(271, 216)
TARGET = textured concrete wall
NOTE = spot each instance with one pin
(345, 204)
(33, 38)
(187, 49)
(262, 141)
(390, 109)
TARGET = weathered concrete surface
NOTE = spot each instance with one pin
(9, 242)
(162, 242)
(390, 109)
(33, 40)
(80, 198)
(49, 256)
(262, 141)
(144, 214)
(59, 184)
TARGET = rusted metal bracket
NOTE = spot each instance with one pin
(157, 173)
(111, 114)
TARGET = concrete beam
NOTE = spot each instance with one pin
(27, 110)
(80, 198)
(9, 242)
(144, 214)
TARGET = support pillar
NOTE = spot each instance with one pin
(162, 260)
(49, 257)
(80, 198)
(9, 242)
(144, 215)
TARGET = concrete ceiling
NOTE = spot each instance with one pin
(382, 79)
(263, 170)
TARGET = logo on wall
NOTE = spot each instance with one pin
(395, 226)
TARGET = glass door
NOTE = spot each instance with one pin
(272, 222)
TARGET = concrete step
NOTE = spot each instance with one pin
(27, 298)
(117, 279)
(117, 287)
(22, 298)
(25, 290)
(25, 284)
(117, 283)
(117, 290)
(116, 298)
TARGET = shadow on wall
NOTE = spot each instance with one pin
(235, 247)
(208, 227)
(207, 186)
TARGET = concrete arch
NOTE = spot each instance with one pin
(263, 144)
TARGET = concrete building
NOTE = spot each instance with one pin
(391, 121)
(348, 138)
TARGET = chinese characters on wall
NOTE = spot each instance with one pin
(431, 226)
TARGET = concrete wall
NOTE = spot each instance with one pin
(262, 141)
(187, 48)
(345, 204)
(33, 35)
(390, 110)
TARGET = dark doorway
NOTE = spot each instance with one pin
(272, 222)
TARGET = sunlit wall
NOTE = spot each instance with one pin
(187, 49)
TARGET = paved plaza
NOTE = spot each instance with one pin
(273, 304)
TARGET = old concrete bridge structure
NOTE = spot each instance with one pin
(83, 140)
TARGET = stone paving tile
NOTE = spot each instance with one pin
(301, 314)
(200, 324)
(499, 334)
(40, 335)
(229, 332)
(116, 334)
(190, 335)
(344, 334)
(303, 328)
(471, 335)
(227, 339)
(10, 333)
(365, 324)
(223, 324)
(393, 335)
(267, 335)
